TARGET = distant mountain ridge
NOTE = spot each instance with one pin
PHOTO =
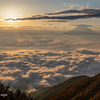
(81, 30)
(56, 88)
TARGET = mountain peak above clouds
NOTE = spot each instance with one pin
(81, 30)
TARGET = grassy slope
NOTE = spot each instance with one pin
(87, 89)
(56, 88)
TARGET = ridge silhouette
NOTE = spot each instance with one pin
(81, 30)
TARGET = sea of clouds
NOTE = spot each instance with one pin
(31, 69)
(34, 61)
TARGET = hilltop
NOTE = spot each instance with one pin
(87, 89)
(56, 88)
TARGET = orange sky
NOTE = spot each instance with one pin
(25, 9)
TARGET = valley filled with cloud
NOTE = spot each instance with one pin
(35, 60)
(30, 69)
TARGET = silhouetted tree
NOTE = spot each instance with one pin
(18, 95)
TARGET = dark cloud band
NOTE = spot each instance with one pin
(88, 13)
(85, 11)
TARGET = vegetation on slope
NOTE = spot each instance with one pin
(56, 88)
(87, 89)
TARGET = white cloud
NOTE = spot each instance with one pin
(46, 67)
(74, 6)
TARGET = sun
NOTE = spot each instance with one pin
(11, 16)
(10, 13)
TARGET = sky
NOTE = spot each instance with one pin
(26, 10)
(45, 42)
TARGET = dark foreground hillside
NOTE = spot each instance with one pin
(87, 89)
(56, 88)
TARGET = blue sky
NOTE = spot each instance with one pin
(28, 8)
(44, 6)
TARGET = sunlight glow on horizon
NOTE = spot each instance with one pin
(12, 19)
(10, 14)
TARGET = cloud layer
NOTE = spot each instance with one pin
(26, 38)
(51, 60)
(30, 69)
(84, 14)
